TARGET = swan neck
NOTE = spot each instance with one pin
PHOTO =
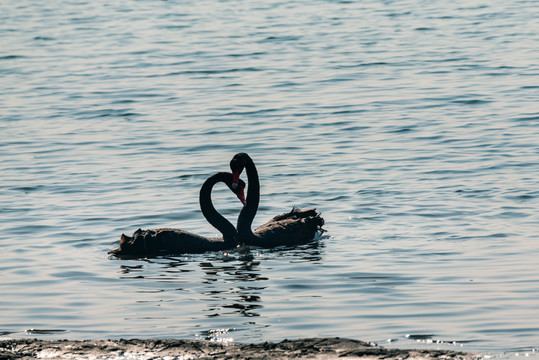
(217, 220)
(248, 212)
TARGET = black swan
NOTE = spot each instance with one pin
(293, 228)
(166, 241)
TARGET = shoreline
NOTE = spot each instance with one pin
(307, 348)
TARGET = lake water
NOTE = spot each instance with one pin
(413, 126)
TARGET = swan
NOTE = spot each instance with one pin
(166, 241)
(292, 228)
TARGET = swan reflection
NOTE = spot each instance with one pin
(239, 300)
(212, 290)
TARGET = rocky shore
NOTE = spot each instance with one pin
(174, 349)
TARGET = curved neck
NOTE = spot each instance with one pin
(248, 212)
(217, 220)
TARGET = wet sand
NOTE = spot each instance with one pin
(316, 348)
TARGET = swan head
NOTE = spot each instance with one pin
(237, 186)
(237, 164)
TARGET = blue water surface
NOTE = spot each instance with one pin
(412, 125)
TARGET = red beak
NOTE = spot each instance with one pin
(241, 196)
(235, 179)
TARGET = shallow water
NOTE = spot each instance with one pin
(412, 125)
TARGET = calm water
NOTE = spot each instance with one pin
(412, 125)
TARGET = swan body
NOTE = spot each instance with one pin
(165, 241)
(292, 228)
